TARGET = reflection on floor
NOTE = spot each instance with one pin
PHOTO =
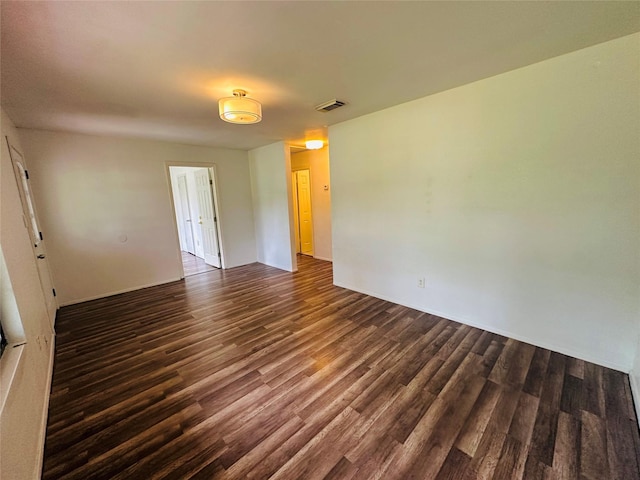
(193, 264)
(255, 372)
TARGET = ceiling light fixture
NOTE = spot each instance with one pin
(240, 109)
(314, 144)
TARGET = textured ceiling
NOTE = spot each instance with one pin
(156, 69)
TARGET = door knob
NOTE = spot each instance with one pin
(41, 256)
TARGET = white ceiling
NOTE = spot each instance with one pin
(156, 69)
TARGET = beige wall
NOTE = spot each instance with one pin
(106, 209)
(272, 205)
(23, 418)
(517, 198)
(317, 161)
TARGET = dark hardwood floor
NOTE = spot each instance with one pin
(258, 373)
(193, 265)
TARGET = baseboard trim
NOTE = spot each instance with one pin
(322, 258)
(45, 408)
(279, 267)
(549, 346)
(118, 292)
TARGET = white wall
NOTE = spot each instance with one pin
(23, 417)
(272, 205)
(516, 197)
(317, 161)
(106, 210)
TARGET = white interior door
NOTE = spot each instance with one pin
(186, 222)
(304, 210)
(35, 234)
(207, 218)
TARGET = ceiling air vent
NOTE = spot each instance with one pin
(330, 105)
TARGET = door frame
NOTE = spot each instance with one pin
(216, 206)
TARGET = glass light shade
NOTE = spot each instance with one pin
(240, 109)
(314, 144)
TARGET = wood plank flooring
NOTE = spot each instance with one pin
(193, 265)
(258, 373)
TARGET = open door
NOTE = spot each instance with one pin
(35, 234)
(208, 217)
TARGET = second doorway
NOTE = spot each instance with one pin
(196, 218)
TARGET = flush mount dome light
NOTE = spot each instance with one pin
(314, 144)
(240, 109)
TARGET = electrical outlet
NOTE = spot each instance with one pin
(421, 282)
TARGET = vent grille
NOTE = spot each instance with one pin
(330, 105)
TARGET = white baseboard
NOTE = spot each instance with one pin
(118, 292)
(322, 258)
(45, 408)
(279, 267)
(543, 344)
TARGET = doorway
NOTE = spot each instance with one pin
(310, 204)
(194, 198)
